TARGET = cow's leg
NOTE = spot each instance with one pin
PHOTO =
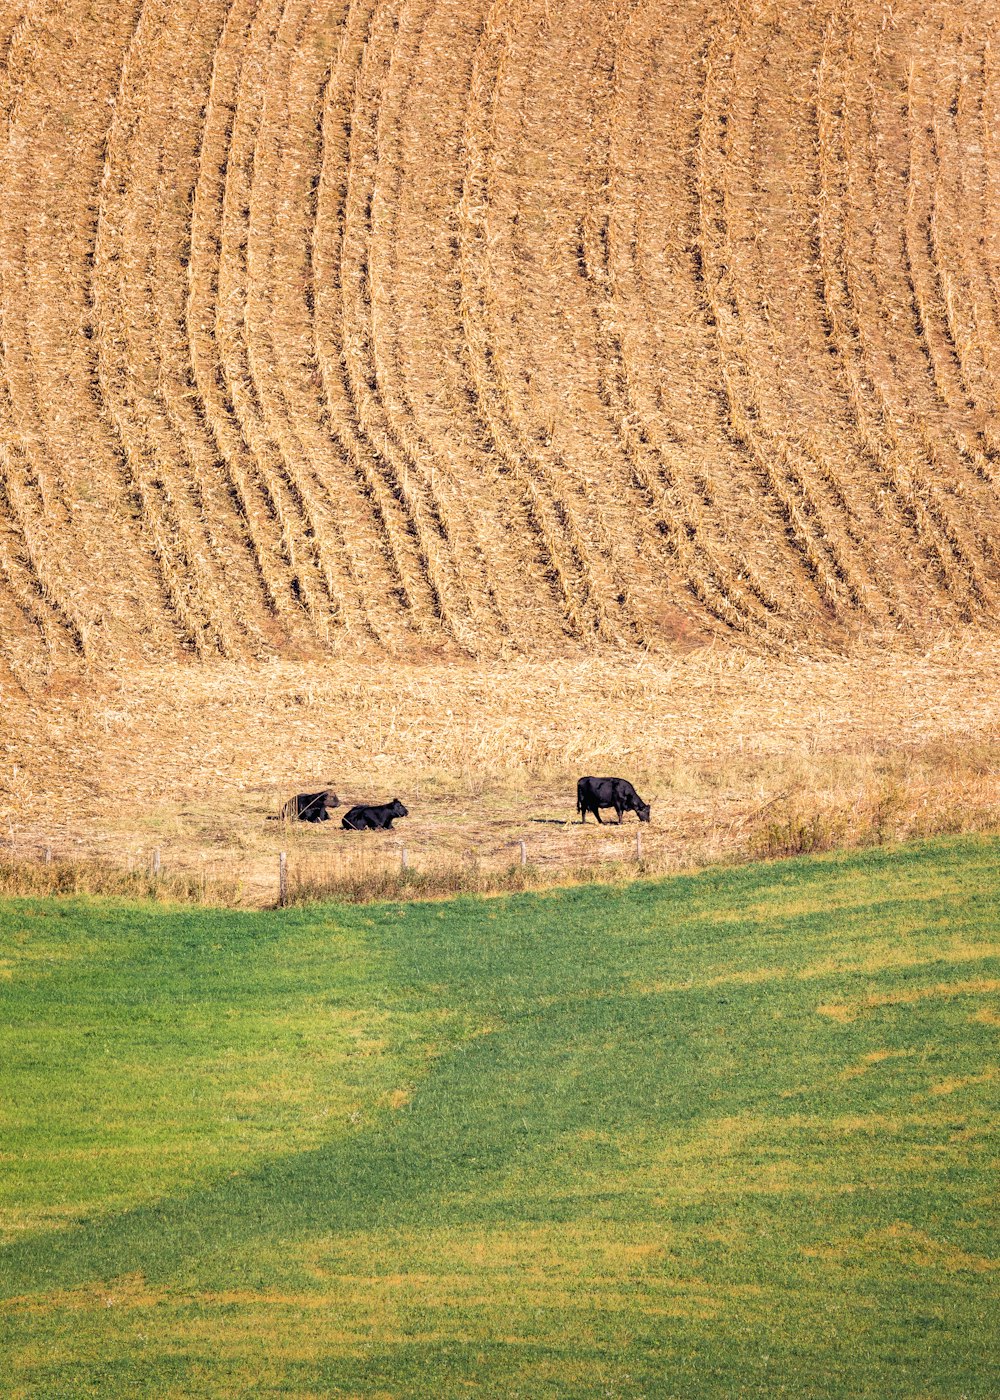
(597, 814)
(620, 811)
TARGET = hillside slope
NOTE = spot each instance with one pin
(494, 324)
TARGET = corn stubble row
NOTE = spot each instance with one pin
(494, 326)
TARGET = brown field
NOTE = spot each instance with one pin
(740, 755)
(451, 396)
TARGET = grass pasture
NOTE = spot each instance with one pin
(729, 1134)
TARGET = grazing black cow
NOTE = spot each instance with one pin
(374, 818)
(594, 793)
(309, 806)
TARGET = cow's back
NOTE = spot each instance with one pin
(367, 818)
(596, 790)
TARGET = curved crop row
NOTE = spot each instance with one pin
(492, 324)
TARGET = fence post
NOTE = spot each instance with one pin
(404, 860)
(48, 855)
(156, 861)
(524, 852)
(282, 879)
(638, 844)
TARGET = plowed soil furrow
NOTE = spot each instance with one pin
(947, 278)
(914, 380)
(370, 187)
(69, 503)
(663, 319)
(436, 394)
(353, 486)
(772, 169)
(384, 75)
(21, 583)
(567, 556)
(929, 276)
(242, 194)
(540, 190)
(408, 125)
(739, 378)
(337, 244)
(152, 206)
(538, 172)
(122, 305)
(989, 143)
(962, 172)
(732, 491)
(627, 377)
(957, 267)
(282, 306)
(276, 241)
(173, 385)
(17, 41)
(23, 571)
(768, 211)
(838, 199)
(418, 306)
(253, 502)
(874, 310)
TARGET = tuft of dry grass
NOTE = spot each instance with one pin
(19, 876)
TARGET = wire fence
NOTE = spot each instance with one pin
(288, 874)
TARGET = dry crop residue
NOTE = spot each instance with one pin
(494, 326)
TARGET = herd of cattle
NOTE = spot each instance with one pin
(591, 795)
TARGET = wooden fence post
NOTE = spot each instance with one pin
(404, 860)
(48, 855)
(156, 861)
(524, 852)
(638, 844)
(282, 879)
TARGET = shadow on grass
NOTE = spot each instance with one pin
(496, 1104)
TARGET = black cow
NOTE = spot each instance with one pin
(309, 806)
(594, 793)
(374, 818)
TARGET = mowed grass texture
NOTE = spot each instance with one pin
(721, 1135)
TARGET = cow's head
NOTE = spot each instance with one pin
(330, 799)
(643, 811)
(398, 810)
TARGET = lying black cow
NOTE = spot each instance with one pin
(374, 818)
(594, 793)
(309, 806)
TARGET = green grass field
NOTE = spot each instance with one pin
(723, 1135)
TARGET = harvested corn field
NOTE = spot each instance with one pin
(486, 327)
